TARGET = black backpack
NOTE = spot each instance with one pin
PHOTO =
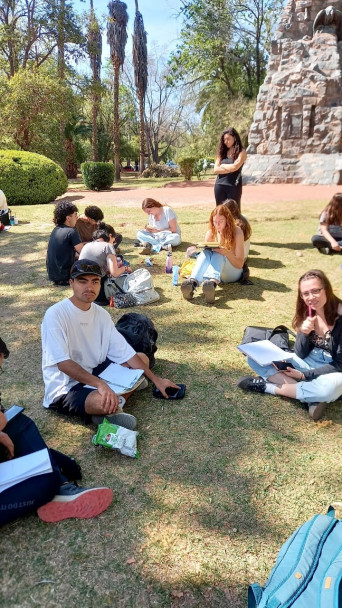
(140, 333)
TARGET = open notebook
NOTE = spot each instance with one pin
(121, 379)
(264, 352)
(18, 469)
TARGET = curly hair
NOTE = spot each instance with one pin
(333, 211)
(330, 307)
(222, 149)
(148, 203)
(103, 232)
(62, 210)
(94, 213)
(229, 232)
(240, 220)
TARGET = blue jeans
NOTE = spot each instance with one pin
(166, 237)
(213, 265)
(34, 492)
(327, 387)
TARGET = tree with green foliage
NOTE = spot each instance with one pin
(140, 76)
(117, 38)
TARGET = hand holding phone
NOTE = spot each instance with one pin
(283, 365)
(173, 393)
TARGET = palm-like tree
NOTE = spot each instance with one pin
(117, 38)
(95, 54)
(140, 75)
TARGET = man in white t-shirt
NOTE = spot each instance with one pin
(79, 340)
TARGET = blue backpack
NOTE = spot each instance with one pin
(308, 571)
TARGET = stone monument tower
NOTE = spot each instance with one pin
(296, 134)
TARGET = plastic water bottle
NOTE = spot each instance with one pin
(168, 264)
(175, 275)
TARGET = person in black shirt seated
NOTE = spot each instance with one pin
(64, 242)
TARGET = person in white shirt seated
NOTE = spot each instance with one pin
(162, 229)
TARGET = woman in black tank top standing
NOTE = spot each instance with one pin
(228, 167)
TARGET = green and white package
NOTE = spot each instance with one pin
(117, 438)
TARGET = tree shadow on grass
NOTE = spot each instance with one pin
(295, 246)
(266, 263)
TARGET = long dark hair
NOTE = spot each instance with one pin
(222, 149)
(333, 211)
(330, 307)
(240, 220)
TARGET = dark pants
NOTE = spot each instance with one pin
(34, 492)
(320, 242)
(223, 192)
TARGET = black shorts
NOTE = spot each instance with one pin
(72, 403)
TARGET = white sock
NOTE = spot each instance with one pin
(270, 388)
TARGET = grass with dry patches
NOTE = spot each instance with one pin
(223, 477)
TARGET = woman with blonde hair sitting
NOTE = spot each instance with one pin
(162, 228)
(221, 263)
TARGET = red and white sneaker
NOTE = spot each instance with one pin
(72, 501)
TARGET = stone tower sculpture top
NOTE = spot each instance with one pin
(299, 106)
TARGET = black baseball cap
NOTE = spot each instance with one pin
(85, 267)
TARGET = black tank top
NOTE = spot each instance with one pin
(230, 179)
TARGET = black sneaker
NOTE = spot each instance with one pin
(187, 289)
(249, 383)
(316, 410)
(208, 289)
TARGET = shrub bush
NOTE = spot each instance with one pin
(187, 165)
(98, 176)
(30, 179)
(159, 170)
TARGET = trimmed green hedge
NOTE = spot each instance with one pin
(187, 166)
(30, 179)
(98, 176)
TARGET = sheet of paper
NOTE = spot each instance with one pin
(18, 469)
(264, 352)
(119, 378)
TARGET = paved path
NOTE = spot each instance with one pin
(201, 194)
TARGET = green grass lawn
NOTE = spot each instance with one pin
(223, 477)
(133, 180)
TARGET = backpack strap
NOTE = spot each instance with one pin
(254, 595)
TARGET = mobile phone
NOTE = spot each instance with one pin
(283, 365)
(13, 412)
(173, 393)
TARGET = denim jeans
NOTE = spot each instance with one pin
(166, 237)
(213, 265)
(327, 387)
(34, 492)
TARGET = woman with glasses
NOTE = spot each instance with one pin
(316, 376)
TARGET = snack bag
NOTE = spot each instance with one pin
(117, 438)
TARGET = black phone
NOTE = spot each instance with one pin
(283, 365)
(173, 393)
(13, 412)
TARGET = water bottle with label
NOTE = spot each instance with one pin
(168, 264)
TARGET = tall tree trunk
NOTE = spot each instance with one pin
(141, 135)
(61, 70)
(116, 130)
(95, 112)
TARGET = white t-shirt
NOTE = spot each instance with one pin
(86, 337)
(3, 201)
(163, 223)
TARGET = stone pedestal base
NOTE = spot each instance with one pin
(322, 169)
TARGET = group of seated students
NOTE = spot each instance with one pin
(79, 340)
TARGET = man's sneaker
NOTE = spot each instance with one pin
(316, 410)
(249, 383)
(147, 249)
(142, 385)
(324, 250)
(127, 421)
(72, 501)
(208, 289)
(187, 288)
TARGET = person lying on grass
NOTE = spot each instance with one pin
(54, 495)
(316, 376)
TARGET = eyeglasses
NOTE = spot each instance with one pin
(312, 292)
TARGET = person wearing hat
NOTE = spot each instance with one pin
(79, 340)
